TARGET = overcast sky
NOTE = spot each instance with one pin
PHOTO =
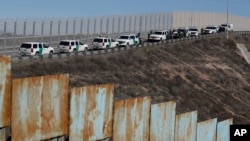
(82, 8)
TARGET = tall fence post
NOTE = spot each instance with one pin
(74, 29)
(119, 22)
(140, 24)
(15, 26)
(50, 31)
(107, 26)
(113, 26)
(135, 23)
(129, 28)
(101, 24)
(67, 24)
(81, 29)
(42, 31)
(88, 29)
(150, 22)
(94, 26)
(24, 28)
(124, 24)
(34, 30)
(146, 21)
(5, 34)
(59, 31)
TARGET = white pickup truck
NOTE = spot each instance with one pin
(130, 39)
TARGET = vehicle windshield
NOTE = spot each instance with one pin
(64, 43)
(210, 27)
(98, 40)
(26, 46)
(158, 33)
(193, 29)
(124, 37)
(224, 25)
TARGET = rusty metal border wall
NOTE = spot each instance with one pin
(131, 119)
(91, 112)
(39, 107)
(5, 90)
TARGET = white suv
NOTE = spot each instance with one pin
(35, 48)
(130, 39)
(159, 35)
(104, 42)
(72, 46)
(210, 29)
(193, 31)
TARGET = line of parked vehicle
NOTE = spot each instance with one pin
(73, 46)
(103, 42)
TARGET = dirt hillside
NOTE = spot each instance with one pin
(208, 75)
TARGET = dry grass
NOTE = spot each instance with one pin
(207, 75)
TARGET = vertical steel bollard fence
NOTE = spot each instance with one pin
(59, 31)
(81, 30)
(88, 29)
(134, 24)
(66, 32)
(24, 28)
(50, 32)
(5, 34)
(42, 31)
(15, 39)
(33, 32)
(107, 26)
(119, 22)
(124, 24)
(74, 29)
(113, 26)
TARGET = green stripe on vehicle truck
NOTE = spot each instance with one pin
(109, 44)
(77, 47)
(40, 50)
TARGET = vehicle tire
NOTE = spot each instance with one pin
(74, 51)
(117, 45)
(37, 54)
(106, 47)
(50, 53)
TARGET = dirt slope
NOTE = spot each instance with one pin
(208, 75)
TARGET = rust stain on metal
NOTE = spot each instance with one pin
(206, 130)
(5, 90)
(40, 107)
(223, 130)
(162, 121)
(131, 119)
(91, 110)
(185, 126)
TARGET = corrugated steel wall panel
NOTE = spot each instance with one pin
(162, 121)
(223, 130)
(206, 130)
(131, 119)
(185, 126)
(2, 134)
(91, 111)
(5, 90)
(40, 107)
